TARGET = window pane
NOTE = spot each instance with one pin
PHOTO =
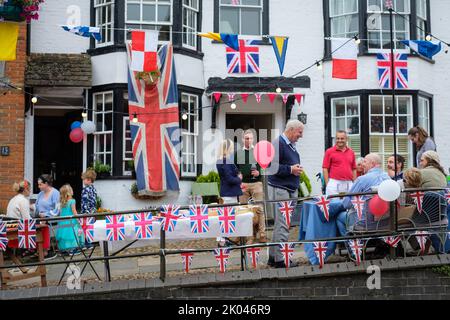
(133, 11)
(352, 107)
(339, 108)
(251, 21)
(149, 13)
(99, 119)
(353, 125)
(376, 124)
(376, 105)
(108, 121)
(389, 124)
(340, 124)
(229, 20)
(108, 144)
(403, 124)
(374, 40)
(163, 13)
(350, 6)
(251, 2)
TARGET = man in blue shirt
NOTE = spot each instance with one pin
(284, 180)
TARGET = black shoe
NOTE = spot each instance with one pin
(50, 255)
(281, 264)
(271, 262)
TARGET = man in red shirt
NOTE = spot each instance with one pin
(339, 166)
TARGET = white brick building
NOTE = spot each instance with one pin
(330, 104)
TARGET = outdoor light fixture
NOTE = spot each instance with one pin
(319, 65)
(135, 119)
(184, 116)
(429, 37)
(233, 106)
(84, 114)
(34, 100)
(302, 117)
(357, 40)
(278, 90)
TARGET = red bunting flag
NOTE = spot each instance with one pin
(320, 249)
(186, 259)
(298, 98)
(272, 97)
(253, 255)
(285, 97)
(244, 97)
(217, 96)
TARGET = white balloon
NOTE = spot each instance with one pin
(88, 127)
(389, 190)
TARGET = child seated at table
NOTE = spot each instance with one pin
(69, 234)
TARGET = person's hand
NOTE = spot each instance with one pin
(296, 170)
(243, 187)
(240, 176)
(255, 173)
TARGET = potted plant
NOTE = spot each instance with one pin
(20, 10)
(102, 170)
(150, 78)
(130, 164)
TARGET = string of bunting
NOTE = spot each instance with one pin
(299, 97)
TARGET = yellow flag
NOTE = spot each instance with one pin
(211, 35)
(9, 33)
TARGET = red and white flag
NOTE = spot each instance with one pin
(253, 255)
(285, 97)
(358, 204)
(422, 237)
(244, 97)
(186, 258)
(324, 206)
(418, 200)
(345, 58)
(320, 249)
(144, 47)
(392, 241)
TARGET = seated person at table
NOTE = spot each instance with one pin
(374, 177)
(433, 175)
(396, 175)
(19, 206)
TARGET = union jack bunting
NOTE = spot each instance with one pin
(400, 74)
(169, 217)
(155, 135)
(27, 234)
(422, 237)
(186, 259)
(258, 97)
(324, 206)
(253, 255)
(3, 236)
(198, 216)
(235, 2)
(286, 208)
(231, 96)
(388, 4)
(320, 249)
(447, 195)
(392, 241)
(287, 249)
(227, 220)
(87, 225)
(418, 200)
(222, 255)
(115, 227)
(143, 225)
(357, 248)
(246, 60)
(358, 204)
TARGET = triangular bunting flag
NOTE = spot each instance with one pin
(87, 225)
(287, 249)
(143, 225)
(298, 98)
(230, 40)
(286, 208)
(280, 45)
(3, 236)
(272, 97)
(170, 215)
(253, 255)
(418, 200)
(217, 96)
(244, 97)
(285, 97)
(422, 237)
(258, 97)
(186, 259)
(320, 249)
(392, 241)
(447, 195)
(358, 204)
(222, 255)
(357, 248)
(324, 206)
(231, 96)
(27, 234)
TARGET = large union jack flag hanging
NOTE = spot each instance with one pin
(115, 227)
(143, 225)
(227, 220)
(155, 136)
(170, 215)
(27, 234)
(320, 249)
(287, 249)
(87, 225)
(246, 60)
(199, 218)
(400, 74)
(392, 241)
(253, 255)
(186, 259)
(324, 205)
(3, 236)
(222, 255)
(286, 208)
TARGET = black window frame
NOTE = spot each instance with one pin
(363, 30)
(365, 113)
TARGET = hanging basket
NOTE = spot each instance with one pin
(151, 78)
(11, 13)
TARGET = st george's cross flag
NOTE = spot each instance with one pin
(186, 258)
(287, 249)
(227, 220)
(253, 256)
(392, 241)
(358, 204)
(115, 227)
(222, 255)
(320, 249)
(170, 215)
(345, 58)
(245, 60)
(286, 208)
(144, 47)
(418, 200)
(3, 236)
(156, 134)
(198, 216)
(27, 234)
(87, 225)
(384, 63)
(143, 225)
(324, 205)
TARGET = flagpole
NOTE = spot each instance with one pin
(394, 112)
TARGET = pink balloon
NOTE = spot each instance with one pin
(377, 206)
(76, 135)
(264, 153)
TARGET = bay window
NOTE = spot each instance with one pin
(103, 118)
(344, 18)
(190, 23)
(104, 19)
(189, 134)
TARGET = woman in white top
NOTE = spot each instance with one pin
(19, 206)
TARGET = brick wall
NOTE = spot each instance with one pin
(12, 124)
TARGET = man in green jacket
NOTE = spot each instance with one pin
(252, 184)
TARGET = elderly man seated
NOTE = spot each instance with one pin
(373, 177)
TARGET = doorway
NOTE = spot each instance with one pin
(251, 121)
(54, 152)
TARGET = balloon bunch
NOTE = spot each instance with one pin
(78, 130)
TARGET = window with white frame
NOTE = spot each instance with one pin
(241, 17)
(104, 19)
(382, 126)
(345, 115)
(189, 134)
(421, 20)
(127, 156)
(344, 18)
(378, 33)
(150, 15)
(190, 20)
(424, 113)
(103, 118)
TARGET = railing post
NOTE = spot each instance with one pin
(106, 262)
(162, 256)
(393, 223)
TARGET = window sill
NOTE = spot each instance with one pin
(107, 49)
(115, 178)
(189, 52)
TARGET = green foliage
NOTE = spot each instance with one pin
(212, 176)
(445, 270)
(98, 202)
(305, 180)
(99, 167)
(134, 188)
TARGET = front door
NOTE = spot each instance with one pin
(262, 123)
(54, 152)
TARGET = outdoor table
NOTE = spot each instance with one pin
(313, 226)
(41, 271)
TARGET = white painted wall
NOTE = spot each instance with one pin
(109, 68)
(46, 34)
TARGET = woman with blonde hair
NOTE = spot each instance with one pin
(19, 205)
(420, 137)
(230, 177)
(69, 234)
(433, 174)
